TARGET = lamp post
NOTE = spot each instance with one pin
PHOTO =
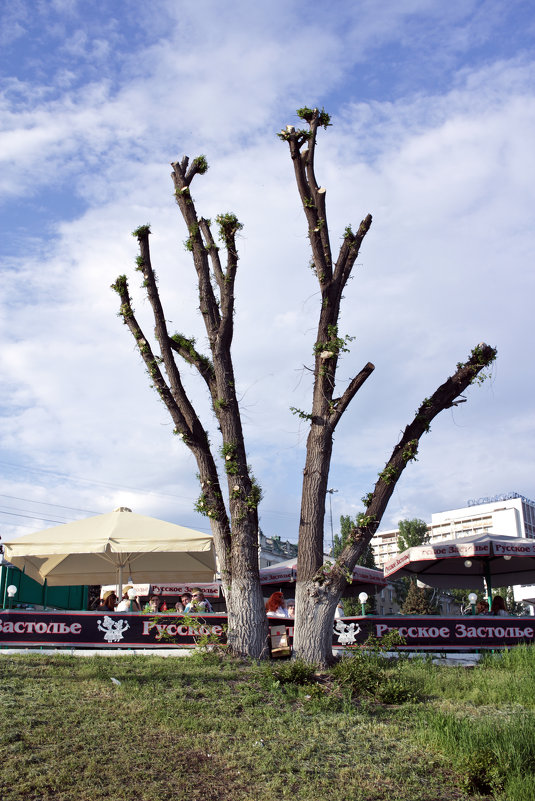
(330, 493)
(472, 597)
(11, 592)
(363, 597)
(131, 596)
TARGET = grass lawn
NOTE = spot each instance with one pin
(192, 729)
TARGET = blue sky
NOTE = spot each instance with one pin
(433, 113)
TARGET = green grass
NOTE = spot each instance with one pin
(188, 729)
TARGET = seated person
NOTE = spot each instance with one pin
(291, 608)
(127, 604)
(198, 602)
(498, 607)
(108, 602)
(153, 605)
(482, 608)
(275, 605)
(179, 607)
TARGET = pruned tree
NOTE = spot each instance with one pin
(319, 586)
(236, 530)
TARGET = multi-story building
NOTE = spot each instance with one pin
(273, 550)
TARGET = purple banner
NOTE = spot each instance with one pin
(100, 630)
(116, 630)
(437, 633)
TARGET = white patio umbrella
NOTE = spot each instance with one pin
(99, 550)
(468, 562)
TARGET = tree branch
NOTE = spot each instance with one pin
(213, 250)
(405, 451)
(185, 348)
(208, 302)
(341, 404)
(151, 362)
(349, 252)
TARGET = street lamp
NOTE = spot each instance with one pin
(11, 592)
(363, 597)
(131, 596)
(472, 597)
(330, 493)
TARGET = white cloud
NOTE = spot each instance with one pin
(448, 177)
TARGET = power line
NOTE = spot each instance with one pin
(44, 519)
(47, 503)
(92, 481)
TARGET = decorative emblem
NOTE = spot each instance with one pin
(113, 629)
(346, 632)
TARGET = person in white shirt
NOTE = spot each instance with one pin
(127, 604)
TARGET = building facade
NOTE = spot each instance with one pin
(273, 550)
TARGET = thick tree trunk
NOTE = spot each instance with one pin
(247, 623)
(313, 631)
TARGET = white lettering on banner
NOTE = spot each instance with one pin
(174, 630)
(39, 627)
(480, 632)
(461, 630)
(421, 631)
(380, 629)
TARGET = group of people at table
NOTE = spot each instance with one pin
(190, 602)
(195, 602)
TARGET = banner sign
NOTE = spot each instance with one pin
(209, 590)
(101, 630)
(437, 633)
(121, 630)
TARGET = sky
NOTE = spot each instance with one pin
(433, 122)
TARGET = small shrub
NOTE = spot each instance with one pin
(370, 673)
(397, 690)
(358, 673)
(295, 671)
(480, 773)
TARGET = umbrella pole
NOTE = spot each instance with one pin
(488, 581)
(120, 584)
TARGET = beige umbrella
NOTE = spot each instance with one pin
(98, 550)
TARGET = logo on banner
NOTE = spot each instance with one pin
(346, 632)
(113, 629)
